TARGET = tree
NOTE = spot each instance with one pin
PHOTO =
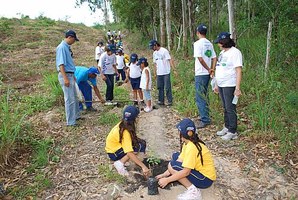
(184, 31)
(161, 23)
(231, 19)
(168, 23)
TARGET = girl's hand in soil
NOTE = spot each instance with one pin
(163, 175)
(163, 182)
(146, 171)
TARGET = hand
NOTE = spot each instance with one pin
(146, 171)
(126, 80)
(104, 78)
(211, 72)
(215, 90)
(66, 82)
(237, 92)
(102, 100)
(159, 176)
(163, 182)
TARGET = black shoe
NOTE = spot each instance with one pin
(202, 125)
(135, 103)
(170, 104)
(161, 103)
(143, 103)
(91, 109)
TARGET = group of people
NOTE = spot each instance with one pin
(193, 166)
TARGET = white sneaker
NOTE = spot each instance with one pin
(147, 109)
(120, 168)
(230, 136)
(222, 132)
(192, 193)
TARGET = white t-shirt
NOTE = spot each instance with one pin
(134, 70)
(120, 62)
(203, 48)
(144, 79)
(162, 60)
(98, 52)
(106, 63)
(227, 62)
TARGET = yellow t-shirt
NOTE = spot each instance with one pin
(113, 144)
(190, 159)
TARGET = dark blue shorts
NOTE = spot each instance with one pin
(195, 177)
(135, 83)
(120, 153)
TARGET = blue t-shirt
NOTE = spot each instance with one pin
(63, 56)
(81, 75)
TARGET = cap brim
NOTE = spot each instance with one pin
(77, 39)
(216, 40)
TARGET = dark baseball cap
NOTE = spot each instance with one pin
(202, 28)
(142, 60)
(93, 70)
(222, 35)
(130, 113)
(152, 43)
(133, 58)
(186, 125)
(71, 33)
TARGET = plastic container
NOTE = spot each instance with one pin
(235, 100)
(152, 186)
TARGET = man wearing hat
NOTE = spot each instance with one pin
(163, 63)
(66, 68)
(205, 60)
(86, 80)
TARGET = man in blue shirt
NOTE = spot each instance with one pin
(66, 68)
(86, 77)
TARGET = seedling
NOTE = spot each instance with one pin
(152, 161)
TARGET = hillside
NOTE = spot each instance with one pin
(46, 160)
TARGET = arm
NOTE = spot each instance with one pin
(127, 75)
(238, 81)
(95, 88)
(65, 78)
(203, 63)
(147, 79)
(136, 160)
(213, 65)
(155, 70)
(163, 182)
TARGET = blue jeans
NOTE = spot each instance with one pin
(110, 86)
(164, 83)
(202, 100)
(70, 98)
(230, 114)
(86, 89)
(122, 73)
(195, 177)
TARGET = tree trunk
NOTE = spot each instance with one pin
(190, 20)
(154, 34)
(168, 23)
(217, 11)
(161, 23)
(268, 48)
(231, 20)
(210, 18)
(184, 31)
(106, 16)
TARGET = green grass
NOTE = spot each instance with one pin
(109, 119)
(109, 175)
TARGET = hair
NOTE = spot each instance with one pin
(196, 140)
(203, 32)
(227, 42)
(157, 44)
(131, 128)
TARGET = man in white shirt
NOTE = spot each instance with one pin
(205, 61)
(163, 63)
(98, 51)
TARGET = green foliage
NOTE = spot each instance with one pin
(29, 191)
(109, 119)
(45, 21)
(51, 82)
(108, 175)
(152, 161)
(121, 93)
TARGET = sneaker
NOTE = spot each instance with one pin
(147, 109)
(143, 103)
(192, 193)
(230, 136)
(91, 109)
(108, 103)
(120, 168)
(135, 102)
(222, 132)
(170, 104)
(202, 125)
(161, 103)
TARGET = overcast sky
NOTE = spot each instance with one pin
(54, 9)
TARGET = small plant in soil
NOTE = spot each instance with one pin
(153, 161)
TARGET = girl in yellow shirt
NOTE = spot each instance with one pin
(193, 167)
(122, 143)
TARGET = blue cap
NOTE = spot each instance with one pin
(222, 35)
(71, 33)
(186, 125)
(130, 113)
(112, 48)
(142, 60)
(202, 28)
(93, 70)
(133, 58)
(152, 43)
